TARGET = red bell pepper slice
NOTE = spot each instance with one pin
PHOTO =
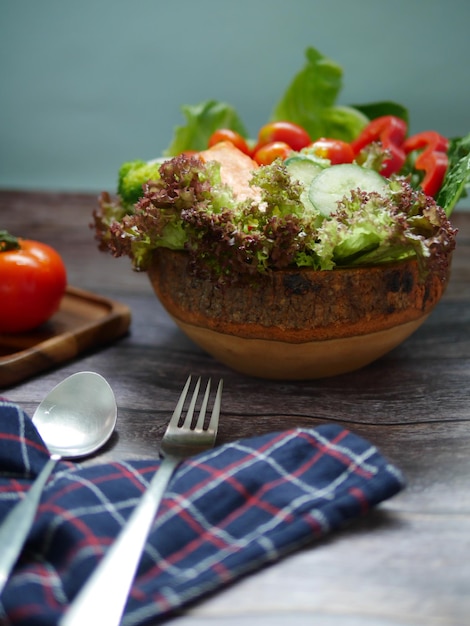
(433, 158)
(391, 132)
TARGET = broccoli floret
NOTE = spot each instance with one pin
(132, 176)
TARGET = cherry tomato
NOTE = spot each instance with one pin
(265, 155)
(335, 150)
(226, 134)
(293, 135)
(32, 282)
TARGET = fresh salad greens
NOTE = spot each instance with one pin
(309, 101)
(201, 121)
(189, 208)
(291, 219)
(458, 174)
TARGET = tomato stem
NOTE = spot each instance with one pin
(8, 242)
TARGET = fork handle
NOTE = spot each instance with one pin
(103, 597)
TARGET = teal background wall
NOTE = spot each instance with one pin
(88, 84)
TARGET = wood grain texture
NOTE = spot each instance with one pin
(83, 321)
(407, 563)
(298, 305)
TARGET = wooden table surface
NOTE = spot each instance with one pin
(408, 562)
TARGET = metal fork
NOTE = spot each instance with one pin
(103, 597)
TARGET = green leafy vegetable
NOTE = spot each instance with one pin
(310, 101)
(157, 218)
(457, 177)
(189, 208)
(369, 228)
(184, 204)
(373, 110)
(311, 97)
(201, 121)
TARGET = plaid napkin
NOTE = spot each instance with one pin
(226, 513)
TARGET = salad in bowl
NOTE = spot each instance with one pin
(280, 255)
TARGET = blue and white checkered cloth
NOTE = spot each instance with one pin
(226, 513)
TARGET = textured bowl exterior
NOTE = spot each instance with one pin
(302, 323)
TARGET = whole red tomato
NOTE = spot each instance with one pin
(292, 134)
(32, 282)
(226, 134)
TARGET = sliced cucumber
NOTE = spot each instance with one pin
(333, 183)
(304, 169)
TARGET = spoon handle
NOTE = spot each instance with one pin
(17, 524)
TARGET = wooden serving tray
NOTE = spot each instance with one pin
(83, 321)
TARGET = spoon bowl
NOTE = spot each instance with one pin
(78, 416)
(75, 419)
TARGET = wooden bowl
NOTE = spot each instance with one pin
(301, 323)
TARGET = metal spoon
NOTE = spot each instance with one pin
(75, 419)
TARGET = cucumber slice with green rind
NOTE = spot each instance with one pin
(303, 169)
(334, 183)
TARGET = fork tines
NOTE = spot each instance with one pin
(177, 420)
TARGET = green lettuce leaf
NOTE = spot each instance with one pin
(310, 101)
(457, 178)
(385, 107)
(201, 121)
